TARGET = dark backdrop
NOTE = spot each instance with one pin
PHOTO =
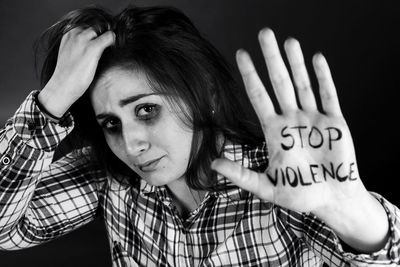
(359, 38)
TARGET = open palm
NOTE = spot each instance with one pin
(312, 161)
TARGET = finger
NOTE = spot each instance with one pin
(88, 34)
(255, 90)
(327, 91)
(300, 75)
(249, 180)
(70, 34)
(103, 41)
(77, 34)
(73, 32)
(277, 71)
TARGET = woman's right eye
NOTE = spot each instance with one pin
(111, 125)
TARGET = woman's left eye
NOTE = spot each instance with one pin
(147, 111)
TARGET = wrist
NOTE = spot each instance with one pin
(361, 222)
(53, 101)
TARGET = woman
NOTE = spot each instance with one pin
(181, 177)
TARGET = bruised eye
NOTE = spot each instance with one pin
(147, 111)
(110, 125)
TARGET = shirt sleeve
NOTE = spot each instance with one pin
(40, 199)
(327, 245)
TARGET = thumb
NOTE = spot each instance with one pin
(254, 182)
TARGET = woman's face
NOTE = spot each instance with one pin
(140, 127)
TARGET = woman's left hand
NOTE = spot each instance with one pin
(312, 163)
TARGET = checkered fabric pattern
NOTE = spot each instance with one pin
(41, 200)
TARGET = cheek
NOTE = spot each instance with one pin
(115, 146)
(180, 144)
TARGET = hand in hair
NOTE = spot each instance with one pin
(78, 56)
(312, 162)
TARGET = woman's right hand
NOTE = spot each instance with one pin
(78, 56)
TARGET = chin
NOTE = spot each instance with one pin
(157, 179)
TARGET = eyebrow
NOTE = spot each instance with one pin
(134, 98)
(126, 101)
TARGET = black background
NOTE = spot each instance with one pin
(359, 38)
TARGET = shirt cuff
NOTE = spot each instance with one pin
(36, 129)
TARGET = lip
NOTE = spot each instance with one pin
(149, 165)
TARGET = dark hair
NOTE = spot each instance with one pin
(162, 43)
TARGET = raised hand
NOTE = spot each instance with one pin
(312, 163)
(78, 56)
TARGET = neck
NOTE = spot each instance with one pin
(185, 199)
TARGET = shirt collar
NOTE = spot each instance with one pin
(146, 188)
(235, 152)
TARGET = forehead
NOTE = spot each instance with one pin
(120, 83)
(116, 85)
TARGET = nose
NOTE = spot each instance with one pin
(135, 141)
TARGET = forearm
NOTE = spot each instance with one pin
(58, 200)
(27, 145)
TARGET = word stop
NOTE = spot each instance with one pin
(309, 136)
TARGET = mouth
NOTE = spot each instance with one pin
(149, 165)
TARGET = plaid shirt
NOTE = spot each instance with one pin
(41, 200)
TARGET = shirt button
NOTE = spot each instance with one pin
(6, 160)
(31, 125)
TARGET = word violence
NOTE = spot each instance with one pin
(316, 173)
(313, 137)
